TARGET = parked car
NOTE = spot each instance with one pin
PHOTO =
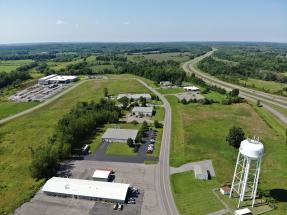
(120, 207)
(131, 202)
(115, 207)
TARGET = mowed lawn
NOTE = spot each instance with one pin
(193, 196)
(10, 65)
(32, 130)
(199, 133)
(120, 149)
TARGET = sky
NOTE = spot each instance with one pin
(31, 21)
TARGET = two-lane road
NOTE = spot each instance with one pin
(162, 179)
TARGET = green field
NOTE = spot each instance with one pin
(194, 196)
(7, 107)
(120, 149)
(170, 90)
(199, 133)
(32, 130)
(10, 65)
(61, 65)
(268, 86)
(176, 56)
(159, 114)
(11, 108)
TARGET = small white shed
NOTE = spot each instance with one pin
(244, 211)
(199, 173)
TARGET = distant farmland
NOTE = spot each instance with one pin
(10, 65)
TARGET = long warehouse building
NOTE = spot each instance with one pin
(86, 189)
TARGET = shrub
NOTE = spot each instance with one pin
(44, 162)
(235, 136)
(130, 142)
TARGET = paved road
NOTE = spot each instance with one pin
(249, 94)
(162, 179)
(7, 119)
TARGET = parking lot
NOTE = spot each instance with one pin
(137, 175)
(38, 92)
(189, 96)
(140, 157)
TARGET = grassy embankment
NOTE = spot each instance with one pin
(266, 86)
(32, 130)
(199, 133)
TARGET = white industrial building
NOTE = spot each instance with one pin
(101, 175)
(57, 79)
(119, 135)
(191, 89)
(86, 189)
(165, 83)
(200, 173)
(135, 96)
(142, 111)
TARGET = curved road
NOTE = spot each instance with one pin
(163, 189)
(248, 94)
(9, 118)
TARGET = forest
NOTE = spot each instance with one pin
(263, 62)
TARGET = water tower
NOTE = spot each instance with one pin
(247, 170)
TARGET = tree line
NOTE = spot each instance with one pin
(72, 129)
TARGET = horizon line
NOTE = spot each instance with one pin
(139, 41)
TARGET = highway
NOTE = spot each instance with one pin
(249, 94)
(162, 178)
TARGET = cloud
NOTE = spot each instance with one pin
(61, 22)
(126, 23)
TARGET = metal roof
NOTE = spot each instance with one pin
(122, 134)
(143, 109)
(193, 88)
(101, 174)
(47, 77)
(134, 96)
(86, 188)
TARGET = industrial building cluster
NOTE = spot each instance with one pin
(46, 88)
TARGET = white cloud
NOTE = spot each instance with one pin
(61, 22)
(126, 23)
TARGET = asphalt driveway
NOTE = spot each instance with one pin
(140, 157)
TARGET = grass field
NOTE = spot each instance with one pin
(194, 196)
(199, 133)
(177, 56)
(120, 149)
(7, 107)
(10, 65)
(268, 86)
(159, 114)
(11, 108)
(170, 90)
(32, 130)
(61, 65)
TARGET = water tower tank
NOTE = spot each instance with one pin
(251, 148)
(247, 170)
